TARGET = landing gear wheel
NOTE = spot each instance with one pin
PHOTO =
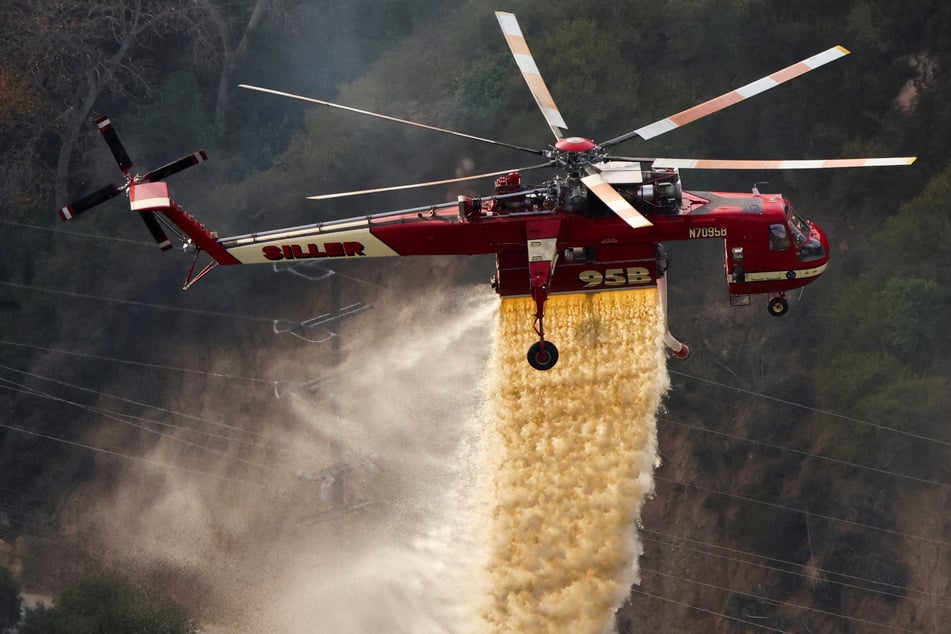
(778, 306)
(543, 359)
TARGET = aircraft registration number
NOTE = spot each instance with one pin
(706, 232)
(615, 277)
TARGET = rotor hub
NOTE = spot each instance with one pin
(575, 144)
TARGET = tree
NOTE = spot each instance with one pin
(108, 606)
(75, 52)
(9, 600)
(219, 41)
(59, 60)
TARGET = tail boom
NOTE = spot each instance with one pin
(302, 244)
(200, 236)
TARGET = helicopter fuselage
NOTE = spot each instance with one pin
(768, 248)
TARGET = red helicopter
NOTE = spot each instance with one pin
(597, 226)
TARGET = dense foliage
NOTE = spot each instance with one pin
(9, 600)
(107, 606)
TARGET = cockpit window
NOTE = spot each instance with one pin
(800, 229)
(811, 250)
(807, 247)
(778, 238)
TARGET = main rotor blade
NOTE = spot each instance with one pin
(733, 97)
(158, 234)
(330, 104)
(613, 199)
(87, 202)
(533, 77)
(175, 166)
(717, 164)
(427, 184)
(112, 140)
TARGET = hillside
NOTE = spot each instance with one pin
(804, 482)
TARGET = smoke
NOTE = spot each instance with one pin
(572, 459)
(354, 513)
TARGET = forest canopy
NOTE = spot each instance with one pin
(869, 342)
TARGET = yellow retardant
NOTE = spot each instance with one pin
(572, 453)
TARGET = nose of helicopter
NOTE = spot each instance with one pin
(824, 241)
(819, 258)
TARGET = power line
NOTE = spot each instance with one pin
(816, 410)
(120, 418)
(807, 513)
(782, 507)
(775, 601)
(156, 408)
(78, 234)
(806, 453)
(7, 510)
(823, 571)
(154, 366)
(706, 611)
(117, 454)
(131, 302)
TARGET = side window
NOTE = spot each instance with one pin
(778, 238)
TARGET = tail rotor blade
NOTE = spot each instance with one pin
(156, 230)
(112, 140)
(175, 166)
(87, 202)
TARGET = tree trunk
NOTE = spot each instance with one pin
(233, 56)
(72, 128)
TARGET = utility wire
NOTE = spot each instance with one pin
(78, 234)
(131, 302)
(775, 601)
(816, 410)
(156, 408)
(23, 389)
(706, 611)
(806, 453)
(156, 366)
(117, 454)
(782, 507)
(820, 571)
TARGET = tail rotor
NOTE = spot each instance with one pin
(125, 164)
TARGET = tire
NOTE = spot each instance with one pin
(543, 359)
(777, 306)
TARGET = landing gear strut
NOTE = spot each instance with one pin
(678, 349)
(542, 253)
(542, 355)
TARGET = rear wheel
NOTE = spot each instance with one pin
(542, 358)
(778, 306)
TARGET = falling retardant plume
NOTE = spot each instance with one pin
(571, 453)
